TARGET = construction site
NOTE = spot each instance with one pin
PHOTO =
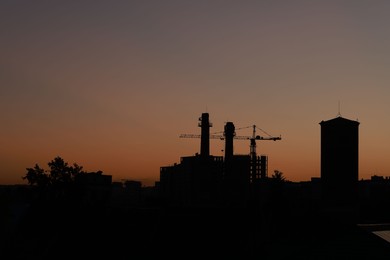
(208, 180)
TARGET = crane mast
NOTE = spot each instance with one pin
(255, 169)
(258, 163)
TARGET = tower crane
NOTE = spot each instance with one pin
(256, 172)
(255, 137)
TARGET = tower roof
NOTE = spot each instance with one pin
(339, 120)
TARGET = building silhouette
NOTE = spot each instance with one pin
(194, 181)
(339, 162)
(207, 180)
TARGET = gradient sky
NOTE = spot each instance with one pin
(111, 85)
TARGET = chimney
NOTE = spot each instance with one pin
(205, 135)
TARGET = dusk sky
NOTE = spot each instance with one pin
(111, 85)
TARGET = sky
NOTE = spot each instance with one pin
(110, 85)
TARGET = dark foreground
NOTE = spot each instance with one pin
(148, 233)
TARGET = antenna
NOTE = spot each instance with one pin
(339, 113)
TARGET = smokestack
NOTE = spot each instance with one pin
(229, 135)
(205, 135)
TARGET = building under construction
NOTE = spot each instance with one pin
(207, 180)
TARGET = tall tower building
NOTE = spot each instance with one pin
(339, 160)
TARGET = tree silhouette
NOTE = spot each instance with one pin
(60, 173)
(37, 176)
(278, 176)
(60, 183)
